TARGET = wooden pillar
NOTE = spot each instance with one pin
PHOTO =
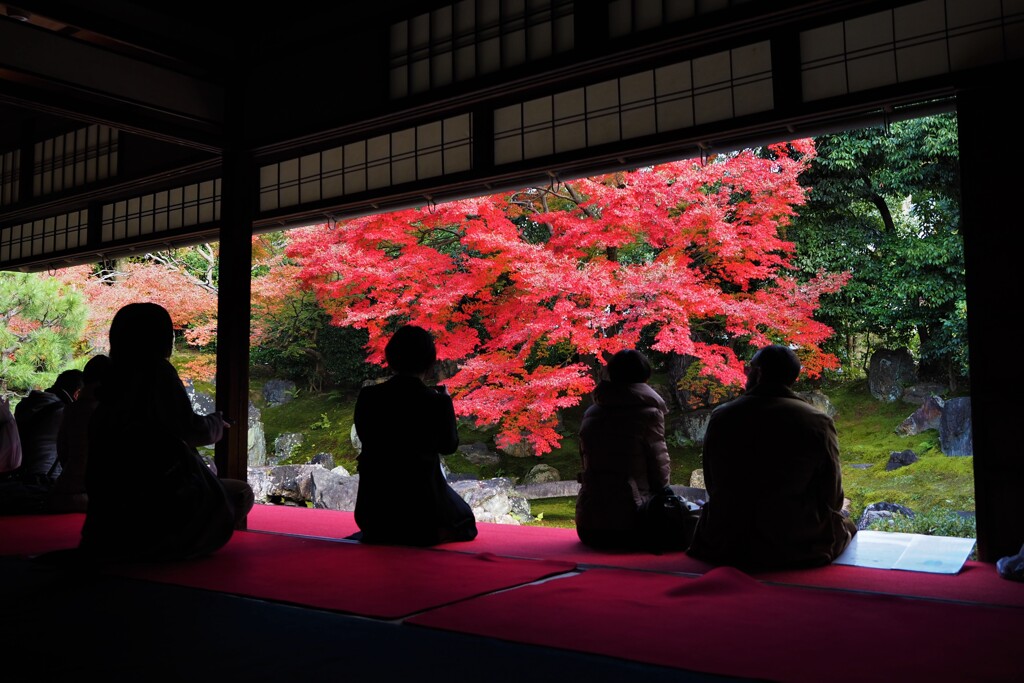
(238, 196)
(991, 148)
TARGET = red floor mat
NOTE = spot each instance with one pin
(286, 519)
(976, 582)
(35, 534)
(727, 623)
(374, 581)
(508, 540)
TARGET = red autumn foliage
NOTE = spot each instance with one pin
(522, 288)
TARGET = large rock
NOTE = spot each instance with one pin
(898, 459)
(518, 450)
(919, 393)
(691, 425)
(889, 372)
(333, 490)
(540, 474)
(479, 454)
(354, 438)
(697, 478)
(926, 417)
(549, 489)
(257, 438)
(955, 432)
(283, 484)
(819, 400)
(325, 460)
(494, 500)
(285, 445)
(278, 391)
(882, 510)
(202, 403)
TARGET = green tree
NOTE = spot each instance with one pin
(41, 324)
(884, 205)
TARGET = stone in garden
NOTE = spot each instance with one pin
(919, 393)
(334, 491)
(478, 453)
(284, 483)
(494, 500)
(819, 400)
(878, 511)
(691, 425)
(924, 418)
(285, 445)
(202, 403)
(549, 489)
(278, 391)
(697, 479)
(519, 450)
(898, 459)
(256, 439)
(325, 460)
(889, 372)
(540, 474)
(955, 433)
(354, 438)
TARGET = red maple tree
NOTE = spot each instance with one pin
(191, 303)
(522, 289)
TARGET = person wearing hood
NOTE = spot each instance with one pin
(625, 457)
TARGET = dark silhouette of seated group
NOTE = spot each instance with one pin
(118, 441)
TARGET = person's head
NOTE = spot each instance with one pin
(70, 382)
(773, 366)
(141, 331)
(629, 366)
(410, 351)
(96, 369)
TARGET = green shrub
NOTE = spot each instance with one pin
(930, 523)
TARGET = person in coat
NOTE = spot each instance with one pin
(404, 427)
(68, 492)
(39, 416)
(771, 469)
(150, 496)
(625, 457)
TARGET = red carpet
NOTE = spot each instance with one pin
(507, 540)
(35, 534)
(285, 519)
(976, 582)
(730, 624)
(374, 581)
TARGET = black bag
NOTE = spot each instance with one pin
(667, 522)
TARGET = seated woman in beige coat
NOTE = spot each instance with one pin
(625, 457)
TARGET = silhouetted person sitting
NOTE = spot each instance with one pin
(771, 469)
(10, 440)
(39, 416)
(68, 492)
(150, 495)
(625, 457)
(404, 426)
